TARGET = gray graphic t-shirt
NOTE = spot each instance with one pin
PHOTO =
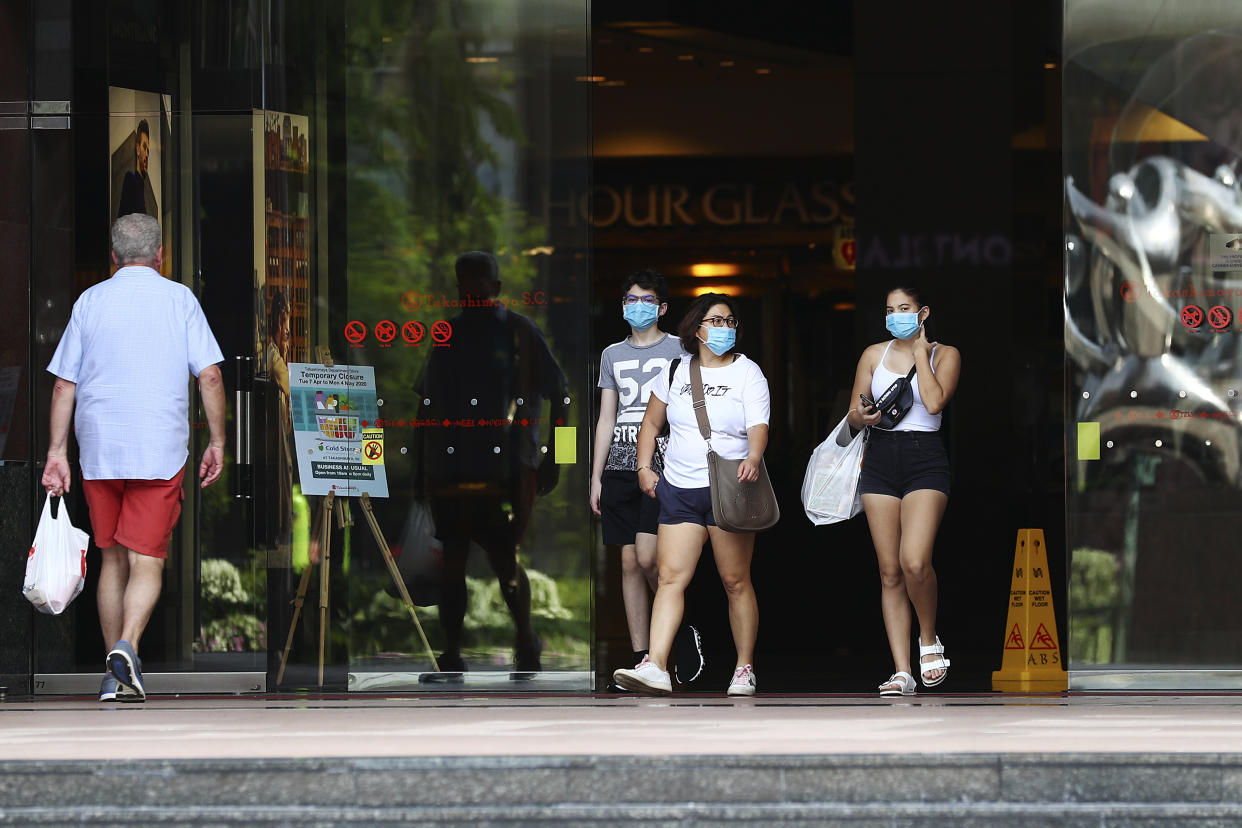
(630, 371)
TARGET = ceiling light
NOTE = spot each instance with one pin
(710, 269)
(844, 306)
(481, 59)
(763, 71)
(646, 50)
(590, 78)
(1050, 65)
(613, 83)
(718, 287)
(685, 57)
(726, 63)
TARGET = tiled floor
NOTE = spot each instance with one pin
(236, 727)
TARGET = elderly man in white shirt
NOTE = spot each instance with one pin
(124, 360)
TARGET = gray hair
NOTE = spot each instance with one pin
(136, 239)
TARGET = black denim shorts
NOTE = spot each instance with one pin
(626, 509)
(899, 462)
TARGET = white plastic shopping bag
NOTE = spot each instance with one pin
(56, 565)
(420, 556)
(830, 488)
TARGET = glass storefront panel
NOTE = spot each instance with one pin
(319, 168)
(1152, 287)
(459, 118)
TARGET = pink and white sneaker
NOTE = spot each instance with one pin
(743, 683)
(645, 678)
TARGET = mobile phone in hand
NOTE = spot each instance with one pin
(867, 401)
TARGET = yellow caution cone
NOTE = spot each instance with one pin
(1033, 661)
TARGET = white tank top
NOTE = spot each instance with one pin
(917, 418)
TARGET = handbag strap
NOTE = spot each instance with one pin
(914, 369)
(700, 404)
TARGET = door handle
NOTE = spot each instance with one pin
(243, 454)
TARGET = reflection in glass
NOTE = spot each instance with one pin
(1152, 158)
(448, 153)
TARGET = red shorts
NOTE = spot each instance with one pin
(137, 514)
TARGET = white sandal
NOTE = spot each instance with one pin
(940, 663)
(906, 685)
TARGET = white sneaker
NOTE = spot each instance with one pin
(645, 678)
(743, 683)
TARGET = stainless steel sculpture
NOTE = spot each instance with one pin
(1142, 257)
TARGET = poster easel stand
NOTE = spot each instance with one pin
(344, 517)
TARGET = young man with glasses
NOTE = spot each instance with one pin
(628, 370)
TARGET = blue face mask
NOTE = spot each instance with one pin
(640, 315)
(902, 325)
(720, 340)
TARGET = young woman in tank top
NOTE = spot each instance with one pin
(905, 481)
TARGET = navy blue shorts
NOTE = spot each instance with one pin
(899, 462)
(685, 505)
(626, 509)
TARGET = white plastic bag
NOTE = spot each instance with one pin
(420, 557)
(56, 565)
(830, 488)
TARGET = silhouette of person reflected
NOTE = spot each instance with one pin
(484, 462)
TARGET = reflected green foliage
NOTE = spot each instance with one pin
(435, 143)
(1094, 589)
(560, 610)
(228, 622)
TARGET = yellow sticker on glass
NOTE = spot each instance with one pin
(1088, 441)
(566, 444)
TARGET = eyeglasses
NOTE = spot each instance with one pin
(631, 299)
(720, 321)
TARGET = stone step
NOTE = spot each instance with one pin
(920, 789)
(682, 815)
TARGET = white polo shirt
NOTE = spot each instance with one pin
(130, 345)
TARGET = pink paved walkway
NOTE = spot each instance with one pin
(234, 727)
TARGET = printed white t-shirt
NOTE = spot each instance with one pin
(737, 399)
(131, 345)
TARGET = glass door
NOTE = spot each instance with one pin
(162, 116)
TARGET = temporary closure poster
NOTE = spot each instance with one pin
(330, 406)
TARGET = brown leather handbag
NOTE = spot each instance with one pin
(736, 506)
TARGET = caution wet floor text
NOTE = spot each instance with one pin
(1033, 660)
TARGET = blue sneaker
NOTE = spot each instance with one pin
(107, 688)
(125, 667)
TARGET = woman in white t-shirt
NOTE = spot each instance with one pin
(735, 393)
(905, 481)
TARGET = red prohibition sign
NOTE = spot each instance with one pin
(1192, 316)
(385, 331)
(413, 332)
(441, 331)
(1219, 317)
(355, 331)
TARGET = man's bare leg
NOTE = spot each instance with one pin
(110, 593)
(142, 591)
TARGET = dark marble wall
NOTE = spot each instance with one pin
(16, 615)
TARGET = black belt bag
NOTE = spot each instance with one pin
(896, 400)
